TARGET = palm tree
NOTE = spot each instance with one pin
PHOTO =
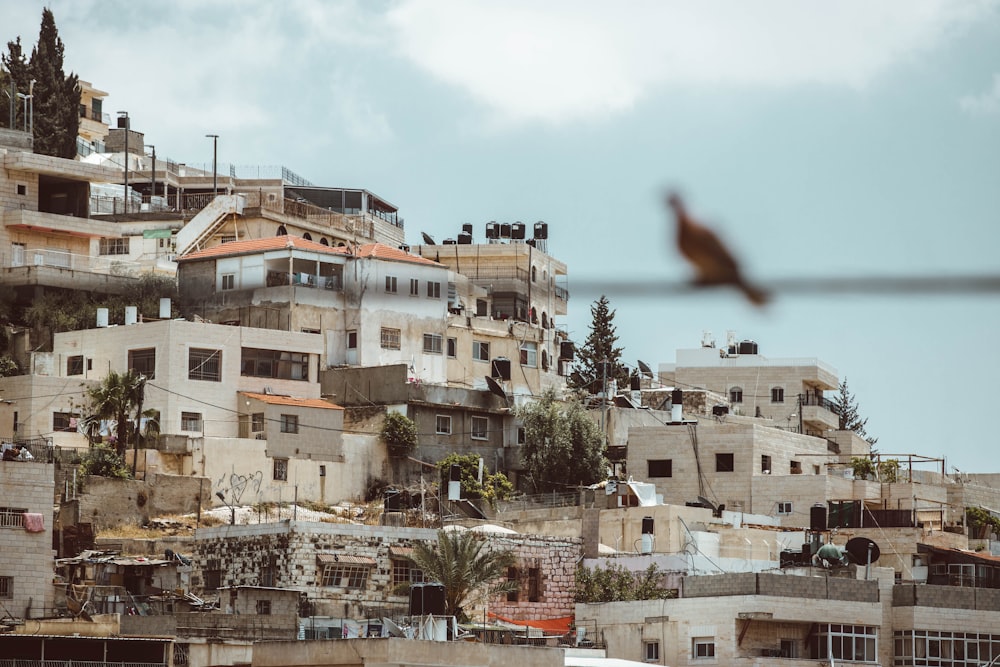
(463, 563)
(119, 399)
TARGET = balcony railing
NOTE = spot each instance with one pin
(819, 401)
(60, 259)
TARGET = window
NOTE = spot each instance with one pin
(660, 467)
(228, 281)
(736, 395)
(114, 246)
(534, 584)
(344, 575)
(521, 436)
(442, 425)
(785, 507)
(850, 642)
(352, 340)
(432, 343)
(529, 354)
(795, 467)
(289, 423)
(724, 463)
(64, 421)
(143, 362)
(414, 287)
(280, 472)
(482, 307)
(765, 464)
(277, 364)
(480, 350)
(390, 338)
(651, 651)
(12, 517)
(452, 347)
(213, 576)
(74, 365)
(264, 607)
(480, 428)
(204, 364)
(703, 647)
(390, 284)
(404, 572)
(191, 421)
(777, 394)
(6, 588)
(257, 422)
(22, 189)
(433, 290)
(512, 596)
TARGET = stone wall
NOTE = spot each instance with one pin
(27, 558)
(112, 502)
(946, 597)
(780, 585)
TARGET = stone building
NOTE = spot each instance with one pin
(26, 492)
(348, 573)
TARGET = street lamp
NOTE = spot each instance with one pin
(232, 510)
(123, 115)
(215, 155)
(152, 175)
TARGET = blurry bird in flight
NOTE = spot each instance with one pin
(712, 261)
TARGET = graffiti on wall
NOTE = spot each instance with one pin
(236, 485)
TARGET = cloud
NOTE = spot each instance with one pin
(573, 59)
(984, 104)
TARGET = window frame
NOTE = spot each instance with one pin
(390, 338)
(481, 350)
(62, 422)
(439, 425)
(263, 607)
(344, 575)
(777, 394)
(202, 361)
(433, 290)
(391, 285)
(274, 364)
(433, 343)
(736, 395)
(452, 348)
(479, 427)
(74, 365)
(192, 418)
(290, 423)
(12, 517)
(141, 360)
(352, 339)
(279, 470)
(113, 246)
(227, 281)
(414, 287)
(784, 507)
(528, 354)
(6, 588)
(651, 650)
(703, 648)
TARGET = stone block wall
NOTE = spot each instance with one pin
(27, 558)
(112, 502)
(780, 585)
(945, 597)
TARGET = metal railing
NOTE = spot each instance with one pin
(539, 501)
(18, 662)
(819, 401)
(60, 259)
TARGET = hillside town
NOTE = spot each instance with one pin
(242, 499)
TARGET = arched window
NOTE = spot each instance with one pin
(323, 241)
(545, 360)
(736, 394)
(534, 274)
(545, 320)
(307, 236)
(282, 231)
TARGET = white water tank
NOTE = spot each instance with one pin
(131, 315)
(102, 318)
(165, 308)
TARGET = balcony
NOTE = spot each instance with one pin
(818, 414)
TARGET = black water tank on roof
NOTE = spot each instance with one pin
(517, 231)
(748, 347)
(465, 238)
(505, 230)
(426, 599)
(448, 242)
(817, 517)
(467, 228)
(541, 230)
(492, 230)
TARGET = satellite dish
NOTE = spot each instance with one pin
(858, 549)
(645, 369)
(495, 388)
(427, 238)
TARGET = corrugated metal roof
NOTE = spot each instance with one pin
(344, 559)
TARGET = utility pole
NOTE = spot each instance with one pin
(215, 155)
(152, 175)
(123, 115)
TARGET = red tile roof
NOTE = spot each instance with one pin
(272, 399)
(253, 246)
(381, 251)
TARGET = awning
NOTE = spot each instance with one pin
(400, 552)
(344, 559)
(551, 626)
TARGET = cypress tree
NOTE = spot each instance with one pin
(56, 95)
(18, 72)
(599, 348)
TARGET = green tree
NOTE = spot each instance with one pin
(495, 486)
(614, 583)
(103, 461)
(18, 75)
(849, 415)
(56, 95)
(562, 444)
(54, 312)
(118, 398)
(599, 360)
(399, 434)
(464, 563)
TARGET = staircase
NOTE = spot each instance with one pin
(201, 227)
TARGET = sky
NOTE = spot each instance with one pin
(836, 140)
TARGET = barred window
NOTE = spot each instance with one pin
(257, 422)
(280, 472)
(6, 588)
(345, 575)
(204, 364)
(64, 421)
(143, 362)
(289, 423)
(405, 572)
(114, 246)
(12, 517)
(390, 338)
(191, 421)
(264, 607)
